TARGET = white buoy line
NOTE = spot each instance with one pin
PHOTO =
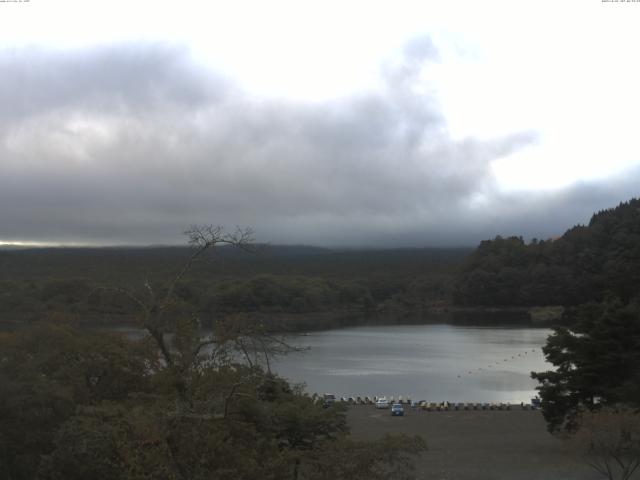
(498, 362)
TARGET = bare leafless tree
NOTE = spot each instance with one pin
(609, 441)
(182, 352)
(202, 239)
(178, 336)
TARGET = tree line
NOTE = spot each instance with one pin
(587, 263)
(592, 395)
(45, 283)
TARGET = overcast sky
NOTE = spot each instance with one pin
(386, 123)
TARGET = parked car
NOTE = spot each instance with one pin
(382, 403)
(397, 410)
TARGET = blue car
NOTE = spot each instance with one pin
(397, 410)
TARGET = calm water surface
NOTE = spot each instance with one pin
(431, 362)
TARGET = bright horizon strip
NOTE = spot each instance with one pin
(28, 244)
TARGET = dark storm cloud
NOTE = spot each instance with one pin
(548, 214)
(131, 144)
(105, 79)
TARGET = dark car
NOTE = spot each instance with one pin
(397, 410)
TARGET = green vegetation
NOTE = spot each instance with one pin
(77, 405)
(596, 363)
(585, 264)
(273, 281)
(175, 405)
(592, 273)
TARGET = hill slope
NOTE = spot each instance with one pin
(585, 264)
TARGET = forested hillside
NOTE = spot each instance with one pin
(594, 271)
(585, 264)
(40, 283)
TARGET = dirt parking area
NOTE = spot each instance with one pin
(477, 444)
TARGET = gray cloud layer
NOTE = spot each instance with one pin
(131, 144)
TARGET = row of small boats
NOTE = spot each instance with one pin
(373, 400)
(438, 406)
(445, 406)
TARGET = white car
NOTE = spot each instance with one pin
(382, 402)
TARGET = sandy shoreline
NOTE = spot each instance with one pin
(477, 444)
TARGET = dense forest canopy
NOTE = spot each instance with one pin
(76, 404)
(585, 264)
(597, 362)
(594, 271)
(37, 283)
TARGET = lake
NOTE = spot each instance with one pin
(431, 362)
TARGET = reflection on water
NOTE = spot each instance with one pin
(431, 362)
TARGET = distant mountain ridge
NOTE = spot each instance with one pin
(116, 264)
